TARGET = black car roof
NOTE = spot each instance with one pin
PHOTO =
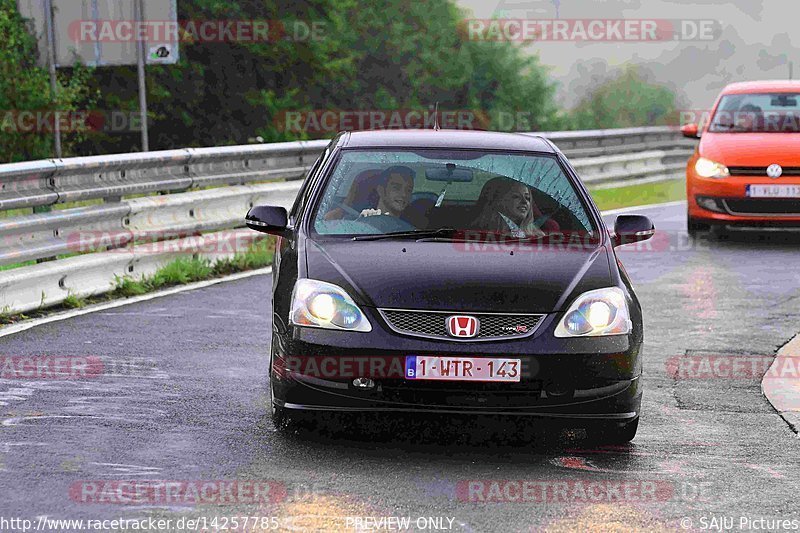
(487, 140)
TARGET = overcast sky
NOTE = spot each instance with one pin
(755, 39)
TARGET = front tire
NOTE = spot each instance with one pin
(286, 421)
(721, 233)
(694, 228)
(615, 433)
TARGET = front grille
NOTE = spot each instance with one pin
(763, 206)
(433, 324)
(761, 171)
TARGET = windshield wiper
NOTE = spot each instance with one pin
(528, 238)
(503, 239)
(418, 233)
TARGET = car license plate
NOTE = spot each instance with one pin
(462, 368)
(773, 191)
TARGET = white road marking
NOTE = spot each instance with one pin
(130, 470)
(5, 447)
(14, 421)
(15, 395)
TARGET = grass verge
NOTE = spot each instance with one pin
(642, 194)
(179, 272)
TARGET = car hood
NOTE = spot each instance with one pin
(752, 149)
(444, 276)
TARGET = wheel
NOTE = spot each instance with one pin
(693, 227)
(279, 418)
(616, 433)
(721, 233)
(287, 421)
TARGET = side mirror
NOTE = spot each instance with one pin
(690, 130)
(268, 219)
(632, 228)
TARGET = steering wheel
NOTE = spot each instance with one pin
(387, 223)
(349, 210)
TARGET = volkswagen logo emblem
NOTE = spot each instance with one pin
(774, 171)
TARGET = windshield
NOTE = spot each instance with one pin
(417, 191)
(757, 112)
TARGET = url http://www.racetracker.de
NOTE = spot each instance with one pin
(218, 523)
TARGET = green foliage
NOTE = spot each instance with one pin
(627, 100)
(642, 194)
(190, 269)
(258, 255)
(179, 272)
(372, 56)
(127, 287)
(182, 271)
(73, 302)
(25, 87)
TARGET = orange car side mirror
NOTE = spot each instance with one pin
(690, 130)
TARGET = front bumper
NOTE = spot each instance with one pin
(597, 378)
(730, 205)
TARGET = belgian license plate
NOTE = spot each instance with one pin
(773, 191)
(462, 368)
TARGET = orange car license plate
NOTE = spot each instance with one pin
(773, 191)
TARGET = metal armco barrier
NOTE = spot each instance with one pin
(597, 143)
(216, 187)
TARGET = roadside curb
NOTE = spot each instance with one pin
(784, 392)
(57, 317)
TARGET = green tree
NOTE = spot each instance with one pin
(416, 54)
(625, 100)
(25, 88)
(372, 55)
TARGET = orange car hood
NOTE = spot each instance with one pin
(751, 149)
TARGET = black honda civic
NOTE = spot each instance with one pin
(452, 272)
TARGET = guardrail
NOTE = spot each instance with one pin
(216, 186)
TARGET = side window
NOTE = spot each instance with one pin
(298, 201)
(564, 193)
(308, 181)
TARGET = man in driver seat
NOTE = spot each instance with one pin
(395, 185)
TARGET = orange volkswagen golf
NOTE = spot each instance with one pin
(745, 173)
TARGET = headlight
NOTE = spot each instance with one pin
(596, 313)
(711, 169)
(324, 305)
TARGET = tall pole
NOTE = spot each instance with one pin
(138, 8)
(51, 60)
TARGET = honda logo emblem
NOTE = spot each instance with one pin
(462, 326)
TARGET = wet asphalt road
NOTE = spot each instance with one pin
(187, 401)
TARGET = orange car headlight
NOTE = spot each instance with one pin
(707, 168)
